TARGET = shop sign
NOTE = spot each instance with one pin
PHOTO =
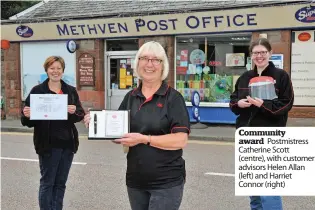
(306, 14)
(233, 20)
(86, 70)
(24, 31)
(215, 63)
(303, 37)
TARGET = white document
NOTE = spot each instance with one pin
(49, 106)
(115, 124)
(108, 124)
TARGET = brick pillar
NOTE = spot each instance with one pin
(168, 43)
(12, 78)
(2, 85)
(281, 44)
(93, 97)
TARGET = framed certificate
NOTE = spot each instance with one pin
(108, 124)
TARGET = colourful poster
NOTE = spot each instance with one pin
(197, 57)
(235, 59)
(219, 88)
(183, 55)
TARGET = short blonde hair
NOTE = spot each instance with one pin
(52, 59)
(157, 49)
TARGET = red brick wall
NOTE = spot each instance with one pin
(12, 77)
(91, 97)
(281, 43)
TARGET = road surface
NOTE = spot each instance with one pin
(97, 177)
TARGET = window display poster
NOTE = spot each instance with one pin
(235, 59)
(183, 55)
(302, 67)
(181, 70)
(129, 80)
(214, 88)
(191, 69)
(197, 57)
(122, 73)
(122, 77)
(277, 60)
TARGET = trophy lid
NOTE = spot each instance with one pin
(262, 80)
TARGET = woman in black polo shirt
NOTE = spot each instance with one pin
(159, 131)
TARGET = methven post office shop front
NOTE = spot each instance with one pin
(207, 51)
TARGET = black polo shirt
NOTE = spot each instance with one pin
(163, 113)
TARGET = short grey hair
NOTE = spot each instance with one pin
(157, 49)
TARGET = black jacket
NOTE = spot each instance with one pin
(272, 113)
(41, 136)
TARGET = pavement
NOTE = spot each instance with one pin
(211, 132)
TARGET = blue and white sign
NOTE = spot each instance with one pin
(277, 60)
(195, 113)
(195, 99)
(71, 46)
(24, 31)
(306, 14)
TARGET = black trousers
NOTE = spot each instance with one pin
(162, 199)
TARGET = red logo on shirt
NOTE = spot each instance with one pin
(114, 116)
(160, 105)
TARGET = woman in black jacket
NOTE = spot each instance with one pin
(55, 141)
(255, 112)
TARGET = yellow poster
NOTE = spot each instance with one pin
(129, 80)
(122, 83)
(122, 73)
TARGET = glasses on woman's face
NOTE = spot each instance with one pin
(262, 53)
(154, 61)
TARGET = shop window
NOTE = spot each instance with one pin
(122, 45)
(33, 56)
(211, 65)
